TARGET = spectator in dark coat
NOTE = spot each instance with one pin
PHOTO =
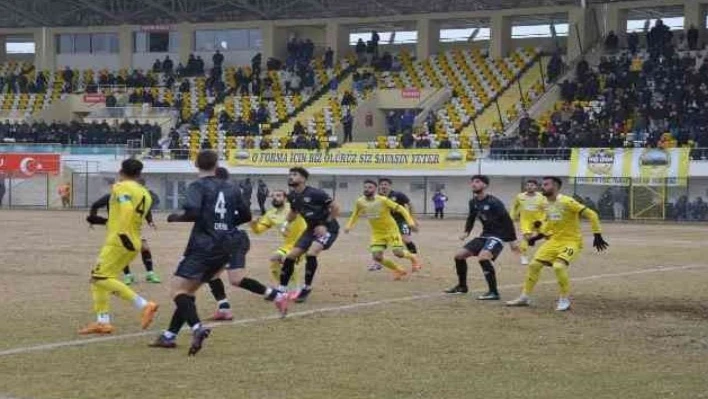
(692, 38)
(262, 195)
(217, 59)
(2, 188)
(167, 65)
(329, 58)
(247, 190)
(348, 125)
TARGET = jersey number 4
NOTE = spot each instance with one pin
(220, 207)
(140, 209)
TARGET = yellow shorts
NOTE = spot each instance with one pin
(551, 251)
(527, 227)
(111, 261)
(381, 242)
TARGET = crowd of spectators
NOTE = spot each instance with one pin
(21, 82)
(76, 133)
(683, 209)
(655, 100)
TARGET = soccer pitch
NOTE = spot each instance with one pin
(638, 329)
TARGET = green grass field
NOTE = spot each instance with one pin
(639, 327)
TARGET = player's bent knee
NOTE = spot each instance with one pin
(462, 255)
(236, 275)
(399, 253)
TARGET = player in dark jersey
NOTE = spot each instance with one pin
(403, 227)
(497, 228)
(146, 254)
(320, 212)
(216, 285)
(216, 208)
(236, 270)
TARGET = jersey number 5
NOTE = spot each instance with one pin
(220, 207)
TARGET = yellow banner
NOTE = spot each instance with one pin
(354, 159)
(638, 166)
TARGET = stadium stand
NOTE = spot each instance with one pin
(652, 97)
(476, 80)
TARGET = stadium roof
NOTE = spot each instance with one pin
(51, 13)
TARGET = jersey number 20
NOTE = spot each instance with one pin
(220, 207)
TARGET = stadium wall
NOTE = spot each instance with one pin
(170, 178)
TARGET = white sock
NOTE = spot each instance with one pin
(282, 288)
(139, 302)
(196, 326)
(268, 291)
(223, 302)
(169, 334)
(103, 318)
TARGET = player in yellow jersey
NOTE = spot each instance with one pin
(384, 229)
(564, 244)
(129, 204)
(529, 209)
(275, 217)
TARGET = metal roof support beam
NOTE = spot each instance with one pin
(26, 14)
(167, 10)
(88, 4)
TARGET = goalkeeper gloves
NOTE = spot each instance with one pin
(599, 243)
(127, 244)
(95, 219)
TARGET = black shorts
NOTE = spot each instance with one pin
(403, 227)
(308, 237)
(202, 266)
(493, 245)
(241, 246)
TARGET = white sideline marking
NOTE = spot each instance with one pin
(330, 309)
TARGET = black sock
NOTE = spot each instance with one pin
(411, 248)
(185, 304)
(310, 269)
(489, 274)
(126, 270)
(219, 292)
(461, 267)
(286, 271)
(252, 285)
(176, 322)
(147, 260)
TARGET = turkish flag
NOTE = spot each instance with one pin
(28, 165)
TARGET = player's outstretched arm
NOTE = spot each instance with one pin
(192, 206)
(598, 241)
(100, 203)
(516, 209)
(353, 218)
(261, 225)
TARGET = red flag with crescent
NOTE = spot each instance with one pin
(28, 165)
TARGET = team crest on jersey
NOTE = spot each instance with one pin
(307, 200)
(486, 207)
